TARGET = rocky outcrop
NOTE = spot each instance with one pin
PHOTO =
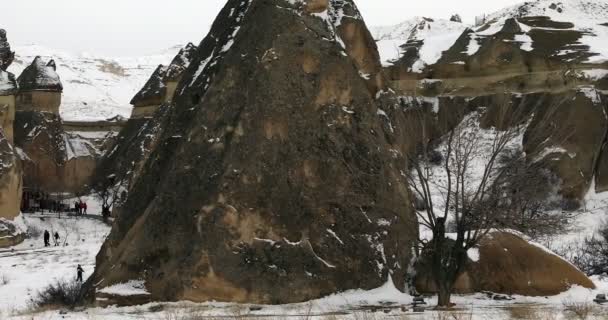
(140, 135)
(6, 55)
(11, 231)
(276, 178)
(506, 263)
(55, 162)
(160, 88)
(545, 60)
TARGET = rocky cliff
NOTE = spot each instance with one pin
(276, 177)
(11, 230)
(548, 58)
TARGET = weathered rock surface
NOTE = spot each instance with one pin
(40, 76)
(160, 88)
(55, 162)
(508, 264)
(546, 60)
(6, 55)
(11, 231)
(139, 137)
(276, 177)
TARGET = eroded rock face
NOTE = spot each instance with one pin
(160, 88)
(11, 231)
(54, 162)
(6, 55)
(506, 263)
(273, 180)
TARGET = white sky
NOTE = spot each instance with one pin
(138, 27)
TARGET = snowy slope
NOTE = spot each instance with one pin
(95, 87)
(432, 35)
(589, 17)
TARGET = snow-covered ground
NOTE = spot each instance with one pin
(29, 266)
(95, 87)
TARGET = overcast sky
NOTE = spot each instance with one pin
(138, 27)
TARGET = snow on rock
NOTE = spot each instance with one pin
(431, 36)
(589, 17)
(8, 84)
(130, 288)
(40, 75)
(473, 254)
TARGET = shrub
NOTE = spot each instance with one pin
(590, 256)
(582, 310)
(59, 294)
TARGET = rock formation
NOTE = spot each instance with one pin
(276, 177)
(505, 263)
(141, 133)
(55, 163)
(546, 62)
(161, 86)
(11, 230)
(6, 55)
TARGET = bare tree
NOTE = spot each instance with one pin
(109, 192)
(463, 184)
(479, 180)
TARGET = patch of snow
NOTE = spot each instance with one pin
(130, 288)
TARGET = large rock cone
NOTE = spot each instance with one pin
(274, 180)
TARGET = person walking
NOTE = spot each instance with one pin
(47, 238)
(56, 236)
(84, 207)
(79, 272)
(76, 207)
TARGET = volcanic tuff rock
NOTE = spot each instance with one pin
(550, 63)
(54, 163)
(139, 137)
(40, 76)
(6, 55)
(506, 263)
(160, 88)
(11, 232)
(277, 177)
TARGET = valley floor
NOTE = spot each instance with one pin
(29, 267)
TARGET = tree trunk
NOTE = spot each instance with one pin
(444, 296)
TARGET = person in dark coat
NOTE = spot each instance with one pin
(56, 236)
(79, 272)
(47, 238)
(84, 207)
(76, 207)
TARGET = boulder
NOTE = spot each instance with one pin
(276, 179)
(506, 263)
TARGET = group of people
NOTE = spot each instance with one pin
(47, 243)
(80, 207)
(47, 238)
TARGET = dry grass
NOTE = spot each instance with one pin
(531, 312)
(580, 310)
(453, 315)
